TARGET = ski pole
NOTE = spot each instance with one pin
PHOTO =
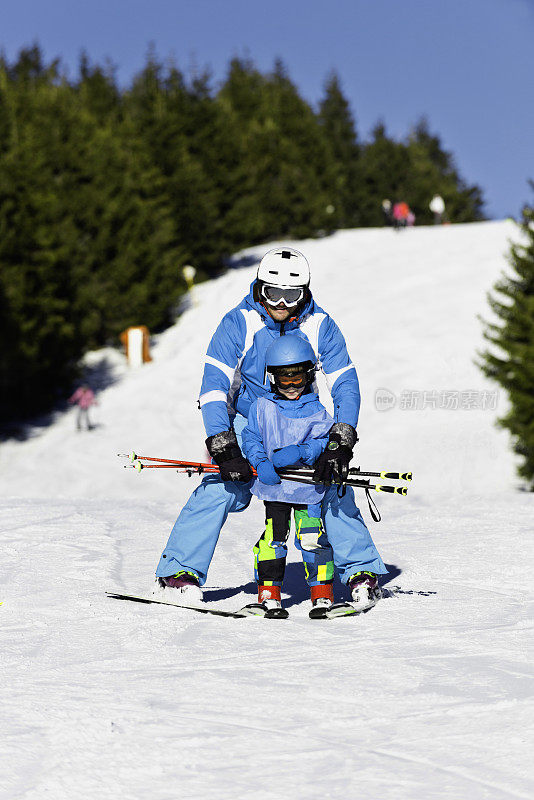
(171, 461)
(191, 469)
(138, 465)
(211, 469)
(178, 467)
(356, 471)
(405, 476)
(399, 476)
(379, 487)
(297, 474)
(183, 467)
(363, 484)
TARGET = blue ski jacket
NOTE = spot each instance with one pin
(234, 371)
(276, 422)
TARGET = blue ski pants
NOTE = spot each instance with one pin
(195, 533)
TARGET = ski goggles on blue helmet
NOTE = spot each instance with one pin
(290, 296)
(294, 377)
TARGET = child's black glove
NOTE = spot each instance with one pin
(332, 466)
(224, 450)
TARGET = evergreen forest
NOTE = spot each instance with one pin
(106, 192)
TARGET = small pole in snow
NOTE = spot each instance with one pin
(189, 273)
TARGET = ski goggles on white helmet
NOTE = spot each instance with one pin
(290, 296)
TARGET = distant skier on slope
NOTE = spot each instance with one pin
(84, 398)
(387, 212)
(286, 427)
(279, 302)
(437, 206)
(401, 211)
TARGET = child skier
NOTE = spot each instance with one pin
(286, 427)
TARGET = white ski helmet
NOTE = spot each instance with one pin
(284, 266)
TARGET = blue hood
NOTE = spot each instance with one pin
(307, 404)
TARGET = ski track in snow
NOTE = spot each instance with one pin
(427, 696)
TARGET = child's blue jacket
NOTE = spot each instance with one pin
(234, 371)
(275, 422)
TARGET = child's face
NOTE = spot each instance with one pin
(292, 393)
(291, 382)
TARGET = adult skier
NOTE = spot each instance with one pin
(279, 302)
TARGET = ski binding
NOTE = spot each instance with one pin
(259, 610)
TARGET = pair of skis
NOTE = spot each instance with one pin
(357, 477)
(251, 610)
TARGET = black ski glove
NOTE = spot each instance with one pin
(224, 450)
(332, 466)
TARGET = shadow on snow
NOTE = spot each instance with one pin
(295, 586)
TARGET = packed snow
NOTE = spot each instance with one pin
(429, 695)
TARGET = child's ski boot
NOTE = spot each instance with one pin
(322, 597)
(269, 604)
(186, 583)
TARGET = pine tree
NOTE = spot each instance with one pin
(242, 97)
(432, 170)
(512, 363)
(37, 289)
(384, 174)
(170, 117)
(338, 125)
(289, 186)
(88, 241)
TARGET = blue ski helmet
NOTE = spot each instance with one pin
(290, 356)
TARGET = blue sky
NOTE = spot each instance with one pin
(467, 65)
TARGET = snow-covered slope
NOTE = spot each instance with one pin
(425, 697)
(407, 305)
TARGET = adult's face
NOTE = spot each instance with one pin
(279, 313)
